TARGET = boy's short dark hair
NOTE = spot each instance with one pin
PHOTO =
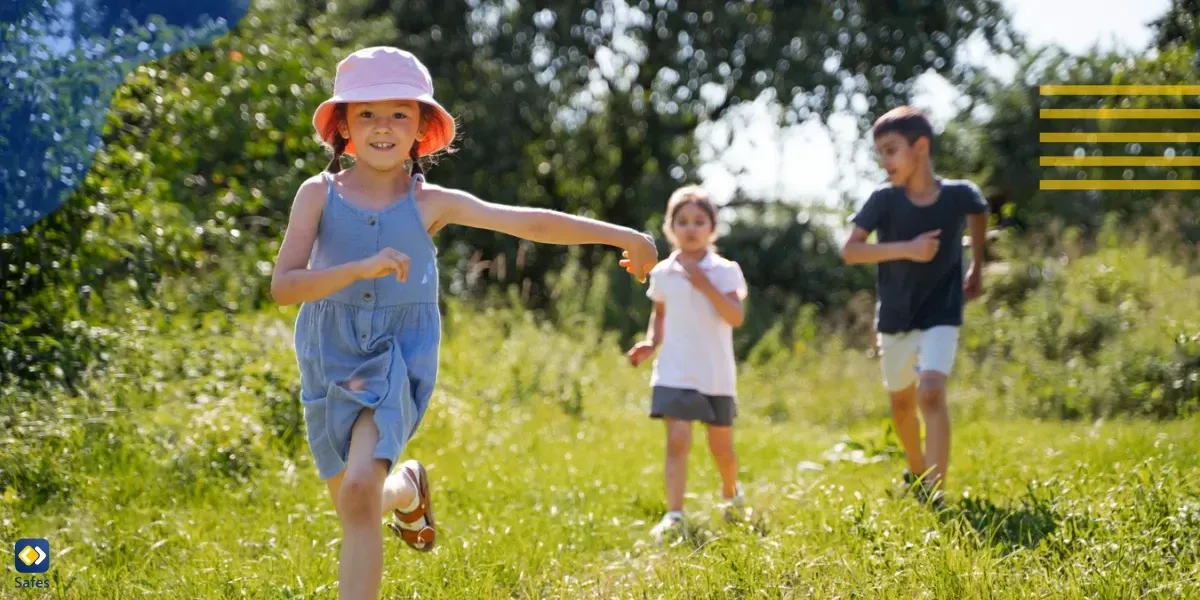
(907, 121)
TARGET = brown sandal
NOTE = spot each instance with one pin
(421, 539)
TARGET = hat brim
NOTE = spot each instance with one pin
(439, 131)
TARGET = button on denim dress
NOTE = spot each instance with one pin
(374, 344)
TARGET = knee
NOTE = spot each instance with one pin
(904, 403)
(721, 449)
(722, 452)
(932, 393)
(932, 402)
(360, 499)
(678, 443)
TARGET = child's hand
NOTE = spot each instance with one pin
(640, 352)
(694, 273)
(691, 268)
(640, 256)
(973, 286)
(388, 260)
(925, 246)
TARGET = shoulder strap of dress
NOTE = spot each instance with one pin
(330, 190)
(412, 184)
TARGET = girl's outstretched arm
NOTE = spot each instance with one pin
(293, 282)
(542, 226)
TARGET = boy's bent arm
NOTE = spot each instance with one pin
(857, 250)
(292, 281)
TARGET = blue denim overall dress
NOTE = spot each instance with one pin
(375, 343)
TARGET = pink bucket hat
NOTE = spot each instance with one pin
(385, 73)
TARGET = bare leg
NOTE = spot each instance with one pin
(720, 443)
(358, 498)
(398, 492)
(679, 443)
(932, 398)
(908, 428)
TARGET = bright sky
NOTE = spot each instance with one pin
(1077, 24)
(806, 162)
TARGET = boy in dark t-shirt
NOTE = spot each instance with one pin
(920, 287)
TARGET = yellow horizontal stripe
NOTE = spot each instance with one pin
(1119, 90)
(1120, 184)
(1120, 113)
(1119, 138)
(1120, 161)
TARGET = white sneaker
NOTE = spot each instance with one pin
(671, 525)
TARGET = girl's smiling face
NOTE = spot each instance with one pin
(383, 132)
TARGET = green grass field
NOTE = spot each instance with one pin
(180, 472)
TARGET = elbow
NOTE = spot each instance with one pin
(847, 254)
(852, 253)
(736, 320)
(279, 293)
(278, 296)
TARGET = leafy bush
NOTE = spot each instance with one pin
(1110, 332)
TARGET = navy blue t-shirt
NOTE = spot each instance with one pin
(913, 295)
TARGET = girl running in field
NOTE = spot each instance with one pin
(358, 256)
(697, 298)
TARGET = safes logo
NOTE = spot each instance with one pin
(32, 555)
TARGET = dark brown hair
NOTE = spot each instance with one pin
(338, 145)
(689, 194)
(907, 121)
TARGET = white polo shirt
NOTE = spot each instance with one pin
(696, 351)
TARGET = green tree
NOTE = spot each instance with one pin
(1180, 25)
(586, 107)
(1007, 146)
(592, 106)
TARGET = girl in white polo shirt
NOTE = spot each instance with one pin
(697, 298)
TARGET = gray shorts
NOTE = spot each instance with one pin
(691, 405)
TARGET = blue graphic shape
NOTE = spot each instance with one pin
(60, 63)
